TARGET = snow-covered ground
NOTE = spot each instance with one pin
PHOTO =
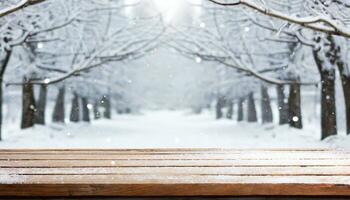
(162, 129)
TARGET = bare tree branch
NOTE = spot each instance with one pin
(318, 23)
(18, 6)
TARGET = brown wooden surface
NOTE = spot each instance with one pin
(174, 172)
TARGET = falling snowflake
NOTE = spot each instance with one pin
(89, 106)
(295, 119)
(198, 59)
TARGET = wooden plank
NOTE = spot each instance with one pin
(174, 172)
(245, 171)
(173, 186)
(170, 163)
(185, 156)
(170, 179)
(159, 151)
(172, 190)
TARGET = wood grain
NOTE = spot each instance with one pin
(170, 163)
(174, 172)
(247, 171)
(180, 156)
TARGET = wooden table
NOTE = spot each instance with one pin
(174, 173)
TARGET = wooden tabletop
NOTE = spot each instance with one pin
(174, 172)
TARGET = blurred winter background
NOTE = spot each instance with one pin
(172, 73)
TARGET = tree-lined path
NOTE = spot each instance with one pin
(165, 129)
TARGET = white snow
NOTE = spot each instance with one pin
(165, 129)
(10, 179)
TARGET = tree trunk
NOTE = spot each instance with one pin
(108, 107)
(282, 105)
(294, 105)
(229, 114)
(328, 107)
(2, 73)
(58, 115)
(1, 105)
(345, 78)
(252, 116)
(41, 107)
(75, 111)
(97, 114)
(346, 91)
(28, 105)
(219, 106)
(86, 111)
(240, 115)
(266, 110)
(328, 113)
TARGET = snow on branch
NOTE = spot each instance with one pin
(320, 23)
(211, 47)
(125, 43)
(17, 6)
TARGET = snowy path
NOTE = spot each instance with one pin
(161, 129)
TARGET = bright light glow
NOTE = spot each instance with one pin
(168, 8)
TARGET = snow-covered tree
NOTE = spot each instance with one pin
(70, 42)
